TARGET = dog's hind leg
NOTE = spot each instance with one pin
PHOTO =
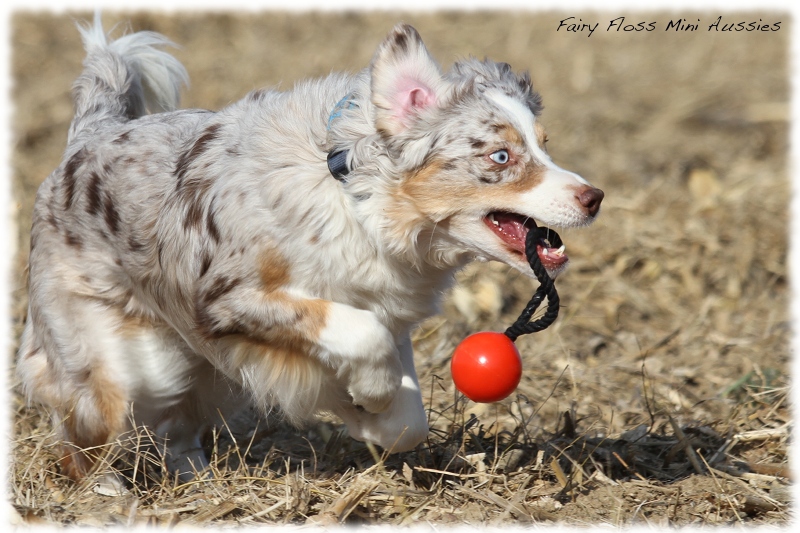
(100, 372)
(212, 400)
(82, 391)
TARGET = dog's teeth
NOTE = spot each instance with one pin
(560, 251)
(491, 217)
(545, 251)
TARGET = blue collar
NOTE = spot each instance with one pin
(337, 161)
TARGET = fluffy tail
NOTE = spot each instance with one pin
(123, 79)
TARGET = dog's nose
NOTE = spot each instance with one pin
(591, 199)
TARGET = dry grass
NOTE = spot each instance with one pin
(469, 471)
(660, 394)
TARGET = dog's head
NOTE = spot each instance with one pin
(470, 155)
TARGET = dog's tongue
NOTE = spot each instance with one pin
(513, 229)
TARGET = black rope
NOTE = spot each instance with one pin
(547, 287)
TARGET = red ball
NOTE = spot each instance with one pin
(486, 367)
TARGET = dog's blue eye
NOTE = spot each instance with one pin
(500, 157)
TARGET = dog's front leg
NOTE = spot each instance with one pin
(404, 424)
(358, 345)
(353, 342)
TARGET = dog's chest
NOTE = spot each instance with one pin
(400, 296)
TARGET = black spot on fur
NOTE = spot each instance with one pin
(384, 133)
(401, 42)
(93, 193)
(212, 329)
(123, 138)
(211, 224)
(73, 240)
(109, 167)
(490, 178)
(534, 103)
(111, 214)
(70, 178)
(220, 288)
(101, 84)
(224, 330)
(194, 215)
(205, 263)
(134, 245)
(84, 375)
(203, 322)
(477, 143)
(187, 158)
(449, 165)
(160, 254)
(257, 95)
(524, 81)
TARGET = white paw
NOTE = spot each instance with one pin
(111, 484)
(400, 428)
(373, 385)
(364, 353)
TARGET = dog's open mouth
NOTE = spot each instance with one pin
(512, 228)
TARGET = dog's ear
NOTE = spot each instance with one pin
(405, 80)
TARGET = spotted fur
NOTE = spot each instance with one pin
(187, 259)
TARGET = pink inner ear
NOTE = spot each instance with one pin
(420, 98)
(411, 97)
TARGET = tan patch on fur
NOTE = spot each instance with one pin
(541, 136)
(273, 270)
(511, 135)
(313, 315)
(431, 195)
(132, 325)
(532, 175)
(309, 315)
(438, 198)
(87, 433)
(287, 371)
(309, 320)
(74, 462)
(282, 356)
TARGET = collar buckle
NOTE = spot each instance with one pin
(337, 164)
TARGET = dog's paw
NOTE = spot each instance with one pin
(398, 429)
(364, 353)
(374, 384)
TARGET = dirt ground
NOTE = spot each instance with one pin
(660, 394)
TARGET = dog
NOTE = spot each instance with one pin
(278, 251)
